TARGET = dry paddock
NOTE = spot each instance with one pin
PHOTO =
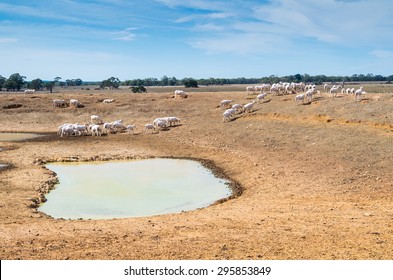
(317, 179)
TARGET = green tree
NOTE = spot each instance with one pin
(36, 84)
(2, 81)
(50, 85)
(164, 81)
(190, 82)
(15, 82)
(112, 83)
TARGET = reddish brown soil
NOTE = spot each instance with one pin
(317, 179)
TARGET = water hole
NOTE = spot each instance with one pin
(137, 188)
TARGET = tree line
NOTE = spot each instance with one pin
(16, 81)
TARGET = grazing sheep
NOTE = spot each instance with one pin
(225, 103)
(300, 98)
(96, 130)
(59, 103)
(150, 127)
(96, 119)
(237, 107)
(75, 103)
(180, 93)
(227, 116)
(131, 127)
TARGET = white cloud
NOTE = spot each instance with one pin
(382, 54)
(8, 40)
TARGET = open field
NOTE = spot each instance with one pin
(317, 179)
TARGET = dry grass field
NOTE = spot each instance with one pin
(316, 179)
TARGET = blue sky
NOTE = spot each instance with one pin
(97, 39)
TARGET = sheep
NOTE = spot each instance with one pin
(149, 127)
(334, 90)
(326, 87)
(118, 126)
(300, 98)
(59, 103)
(75, 103)
(248, 107)
(108, 100)
(82, 128)
(160, 124)
(250, 88)
(131, 127)
(225, 103)
(28, 91)
(227, 115)
(261, 97)
(172, 120)
(96, 119)
(108, 128)
(96, 130)
(358, 93)
(237, 107)
(159, 120)
(69, 130)
(310, 92)
(180, 93)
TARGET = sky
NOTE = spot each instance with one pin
(94, 40)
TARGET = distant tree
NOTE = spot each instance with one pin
(112, 83)
(50, 85)
(56, 80)
(36, 84)
(172, 81)
(138, 89)
(14, 82)
(2, 81)
(190, 82)
(164, 81)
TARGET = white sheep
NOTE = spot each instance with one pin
(225, 103)
(118, 126)
(227, 116)
(75, 103)
(171, 121)
(237, 107)
(96, 130)
(59, 103)
(248, 107)
(150, 127)
(108, 100)
(180, 93)
(96, 119)
(131, 127)
(300, 98)
(334, 90)
(358, 93)
(261, 97)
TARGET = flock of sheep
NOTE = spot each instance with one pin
(307, 90)
(97, 127)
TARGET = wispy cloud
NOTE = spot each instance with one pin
(126, 35)
(8, 40)
(382, 54)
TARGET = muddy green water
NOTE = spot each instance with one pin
(10, 137)
(131, 189)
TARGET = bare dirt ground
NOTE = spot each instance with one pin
(317, 179)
